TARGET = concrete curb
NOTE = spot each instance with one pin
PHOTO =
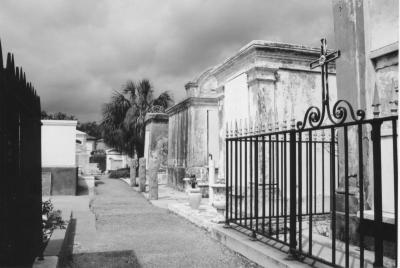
(54, 248)
(255, 251)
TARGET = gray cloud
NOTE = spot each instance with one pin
(77, 52)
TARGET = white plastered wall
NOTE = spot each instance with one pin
(58, 143)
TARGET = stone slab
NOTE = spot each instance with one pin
(64, 180)
(46, 183)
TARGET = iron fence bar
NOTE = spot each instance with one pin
(292, 192)
(273, 177)
(376, 149)
(269, 188)
(346, 195)
(323, 176)
(245, 180)
(251, 182)
(361, 183)
(307, 176)
(277, 187)
(256, 182)
(236, 179)
(263, 184)
(300, 190)
(282, 184)
(227, 183)
(285, 186)
(333, 194)
(395, 184)
(231, 181)
(240, 181)
(315, 177)
(310, 169)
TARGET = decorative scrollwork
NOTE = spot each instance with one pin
(342, 108)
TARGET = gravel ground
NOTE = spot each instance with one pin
(130, 232)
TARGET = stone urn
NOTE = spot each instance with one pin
(220, 206)
(194, 198)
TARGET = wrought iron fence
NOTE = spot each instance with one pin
(20, 167)
(305, 187)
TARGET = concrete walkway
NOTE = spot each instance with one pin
(131, 232)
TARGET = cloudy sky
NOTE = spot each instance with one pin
(77, 52)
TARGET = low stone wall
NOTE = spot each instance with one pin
(64, 180)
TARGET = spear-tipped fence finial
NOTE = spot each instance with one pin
(8, 62)
(284, 125)
(17, 72)
(236, 129)
(256, 128)
(376, 102)
(293, 123)
(12, 64)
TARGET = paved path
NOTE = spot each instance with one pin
(130, 232)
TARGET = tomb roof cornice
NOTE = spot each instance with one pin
(59, 122)
(156, 117)
(190, 102)
(268, 49)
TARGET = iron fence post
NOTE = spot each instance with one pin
(376, 149)
(292, 185)
(226, 225)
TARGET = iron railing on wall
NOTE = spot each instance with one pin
(20, 167)
(305, 185)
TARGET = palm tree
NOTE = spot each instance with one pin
(124, 116)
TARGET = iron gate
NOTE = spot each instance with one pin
(300, 186)
(20, 167)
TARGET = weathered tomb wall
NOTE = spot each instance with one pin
(156, 140)
(366, 32)
(58, 155)
(189, 140)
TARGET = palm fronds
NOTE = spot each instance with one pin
(123, 123)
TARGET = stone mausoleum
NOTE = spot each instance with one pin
(264, 82)
(59, 167)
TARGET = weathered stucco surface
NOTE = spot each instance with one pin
(188, 138)
(366, 33)
(157, 138)
(265, 81)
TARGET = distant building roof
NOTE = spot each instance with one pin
(80, 132)
(91, 137)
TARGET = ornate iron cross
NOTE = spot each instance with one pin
(323, 61)
(314, 115)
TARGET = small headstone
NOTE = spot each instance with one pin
(133, 167)
(46, 183)
(142, 174)
(154, 165)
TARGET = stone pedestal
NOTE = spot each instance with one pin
(133, 166)
(154, 165)
(142, 174)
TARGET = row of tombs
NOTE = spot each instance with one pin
(267, 86)
(264, 84)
